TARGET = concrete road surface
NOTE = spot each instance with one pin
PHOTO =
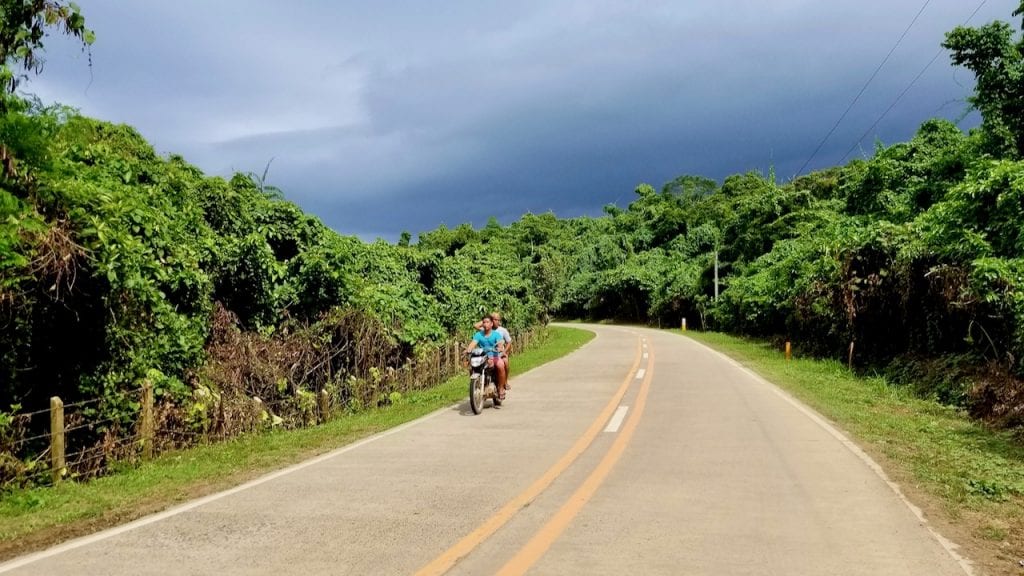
(641, 453)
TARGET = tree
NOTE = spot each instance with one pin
(23, 25)
(690, 187)
(997, 61)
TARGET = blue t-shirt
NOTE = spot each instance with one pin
(489, 342)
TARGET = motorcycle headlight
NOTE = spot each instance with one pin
(477, 361)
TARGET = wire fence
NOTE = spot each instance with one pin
(28, 415)
(69, 443)
(84, 438)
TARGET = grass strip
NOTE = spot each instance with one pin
(966, 475)
(34, 518)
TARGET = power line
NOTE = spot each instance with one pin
(907, 89)
(891, 106)
(863, 88)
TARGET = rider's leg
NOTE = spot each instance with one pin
(500, 368)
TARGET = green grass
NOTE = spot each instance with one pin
(970, 473)
(35, 517)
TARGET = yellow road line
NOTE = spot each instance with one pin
(450, 557)
(546, 536)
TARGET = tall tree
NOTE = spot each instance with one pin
(997, 60)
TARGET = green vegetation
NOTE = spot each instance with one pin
(119, 267)
(977, 473)
(30, 517)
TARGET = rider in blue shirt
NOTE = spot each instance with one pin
(488, 341)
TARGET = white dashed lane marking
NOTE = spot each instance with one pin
(617, 418)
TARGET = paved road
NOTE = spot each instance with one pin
(641, 453)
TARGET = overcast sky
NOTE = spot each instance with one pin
(388, 116)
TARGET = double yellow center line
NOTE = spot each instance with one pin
(536, 547)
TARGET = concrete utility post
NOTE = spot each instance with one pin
(716, 274)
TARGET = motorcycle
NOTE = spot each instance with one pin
(482, 382)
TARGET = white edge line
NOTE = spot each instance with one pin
(616, 421)
(820, 420)
(145, 521)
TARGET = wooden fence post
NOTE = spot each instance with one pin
(325, 406)
(57, 439)
(146, 426)
(789, 351)
(849, 360)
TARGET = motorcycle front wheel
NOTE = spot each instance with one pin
(476, 394)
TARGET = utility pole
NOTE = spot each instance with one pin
(716, 275)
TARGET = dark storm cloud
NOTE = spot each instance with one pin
(409, 115)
